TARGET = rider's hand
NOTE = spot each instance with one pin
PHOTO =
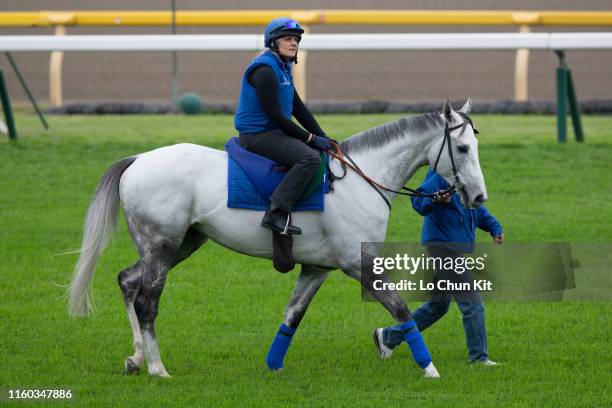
(498, 239)
(442, 197)
(321, 142)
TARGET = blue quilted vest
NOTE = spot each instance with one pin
(250, 116)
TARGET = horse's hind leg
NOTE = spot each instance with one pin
(155, 267)
(142, 286)
(129, 282)
(161, 256)
(308, 283)
(191, 242)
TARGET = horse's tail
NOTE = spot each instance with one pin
(99, 225)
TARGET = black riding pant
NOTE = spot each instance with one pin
(302, 161)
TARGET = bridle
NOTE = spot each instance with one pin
(346, 161)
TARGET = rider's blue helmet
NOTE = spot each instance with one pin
(281, 27)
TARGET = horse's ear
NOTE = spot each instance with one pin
(467, 107)
(448, 111)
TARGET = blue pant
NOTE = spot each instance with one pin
(431, 312)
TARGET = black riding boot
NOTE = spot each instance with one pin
(279, 220)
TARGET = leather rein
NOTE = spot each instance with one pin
(346, 161)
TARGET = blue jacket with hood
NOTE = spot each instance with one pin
(451, 222)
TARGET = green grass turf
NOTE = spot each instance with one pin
(220, 310)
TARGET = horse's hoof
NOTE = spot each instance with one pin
(431, 372)
(130, 367)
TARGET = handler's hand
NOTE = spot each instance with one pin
(498, 239)
(441, 197)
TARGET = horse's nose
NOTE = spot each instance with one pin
(480, 199)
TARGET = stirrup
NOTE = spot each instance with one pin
(282, 226)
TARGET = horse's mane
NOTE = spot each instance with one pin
(387, 132)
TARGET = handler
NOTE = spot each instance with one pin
(448, 230)
(268, 99)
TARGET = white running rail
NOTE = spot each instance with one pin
(312, 42)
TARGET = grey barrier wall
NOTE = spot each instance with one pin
(339, 76)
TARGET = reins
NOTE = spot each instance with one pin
(346, 161)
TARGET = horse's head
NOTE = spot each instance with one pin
(461, 133)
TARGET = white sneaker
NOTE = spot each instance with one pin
(384, 352)
(486, 362)
(430, 371)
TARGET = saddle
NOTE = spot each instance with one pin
(251, 180)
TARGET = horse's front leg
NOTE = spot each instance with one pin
(308, 283)
(400, 312)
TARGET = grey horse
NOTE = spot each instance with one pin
(175, 197)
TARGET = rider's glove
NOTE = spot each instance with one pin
(321, 142)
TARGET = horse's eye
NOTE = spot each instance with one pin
(476, 132)
(463, 148)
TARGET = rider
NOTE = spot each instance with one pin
(268, 99)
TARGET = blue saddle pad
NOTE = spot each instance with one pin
(251, 180)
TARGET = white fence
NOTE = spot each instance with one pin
(312, 42)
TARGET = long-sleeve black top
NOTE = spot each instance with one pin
(263, 80)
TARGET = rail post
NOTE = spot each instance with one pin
(566, 93)
(6, 107)
(521, 71)
(55, 73)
